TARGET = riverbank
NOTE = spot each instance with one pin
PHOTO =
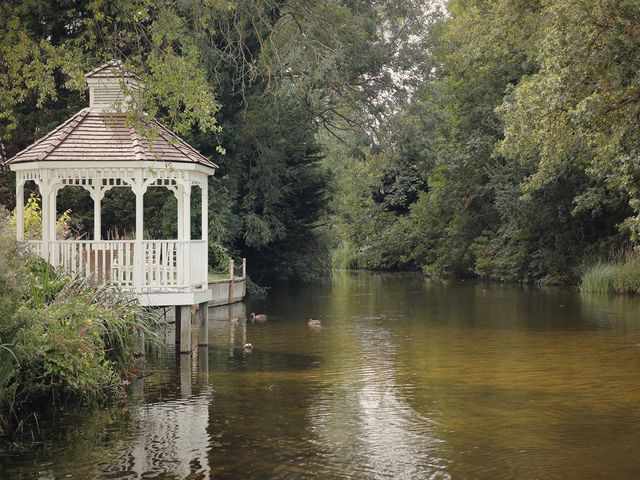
(620, 276)
(63, 340)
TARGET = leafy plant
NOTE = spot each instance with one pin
(63, 340)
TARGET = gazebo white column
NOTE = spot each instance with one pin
(97, 194)
(183, 312)
(20, 209)
(53, 213)
(45, 211)
(139, 188)
(186, 230)
(205, 210)
(179, 204)
(52, 220)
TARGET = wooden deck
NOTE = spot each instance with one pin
(228, 289)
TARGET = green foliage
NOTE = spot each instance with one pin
(13, 274)
(620, 276)
(522, 142)
(281, 188)
(576, 115)
(45, 48)
(62, 340)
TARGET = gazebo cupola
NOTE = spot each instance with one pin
(98, 150)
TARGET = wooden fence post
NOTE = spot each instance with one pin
(244, 277)
(231, 275)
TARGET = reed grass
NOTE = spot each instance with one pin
(626, 278)
(347, 258)
(598, 278)
(64, 340)
(621, 276)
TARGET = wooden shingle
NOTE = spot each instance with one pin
(99, 136)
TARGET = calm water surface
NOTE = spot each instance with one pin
(405, 379)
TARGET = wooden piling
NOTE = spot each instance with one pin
(184, 328)
(203, 324)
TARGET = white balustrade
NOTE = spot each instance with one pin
(112, 262)
(199, 266)
(162, 262)
(107, 262)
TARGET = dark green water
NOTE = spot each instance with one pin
(405, 379)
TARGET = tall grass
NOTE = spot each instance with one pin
(598, 278)
(347, 258)
(63, 339)
(626, 278)
(621, 276)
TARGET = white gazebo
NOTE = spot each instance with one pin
(97, 149)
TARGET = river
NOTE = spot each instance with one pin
(404, 379)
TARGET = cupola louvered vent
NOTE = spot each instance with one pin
(111, 88)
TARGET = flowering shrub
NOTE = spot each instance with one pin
(33, 221)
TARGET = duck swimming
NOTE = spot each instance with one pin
(248, 348)
(261, 317)
(313, 323)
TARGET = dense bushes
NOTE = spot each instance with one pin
(517, 159)
(62, 340)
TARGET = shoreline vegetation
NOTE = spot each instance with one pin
(63, 341)
(621, 276)
(618, 276)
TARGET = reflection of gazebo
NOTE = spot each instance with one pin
(98, 150)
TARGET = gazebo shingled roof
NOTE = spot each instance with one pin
(113, 68)
(99, 136)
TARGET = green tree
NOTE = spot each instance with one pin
(510, 187)
(579, 112)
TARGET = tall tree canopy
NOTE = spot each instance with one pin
(256, 79)
(525, 138)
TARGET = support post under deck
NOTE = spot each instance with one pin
(183, 328)
(203, 323)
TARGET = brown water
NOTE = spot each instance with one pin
(405, 379)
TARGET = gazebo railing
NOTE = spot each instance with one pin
(167, 265)
(107, 262)
(162, 261)
(199, 267)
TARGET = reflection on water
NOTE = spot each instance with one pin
(173, 439)
(405, 379)
(366, 421)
